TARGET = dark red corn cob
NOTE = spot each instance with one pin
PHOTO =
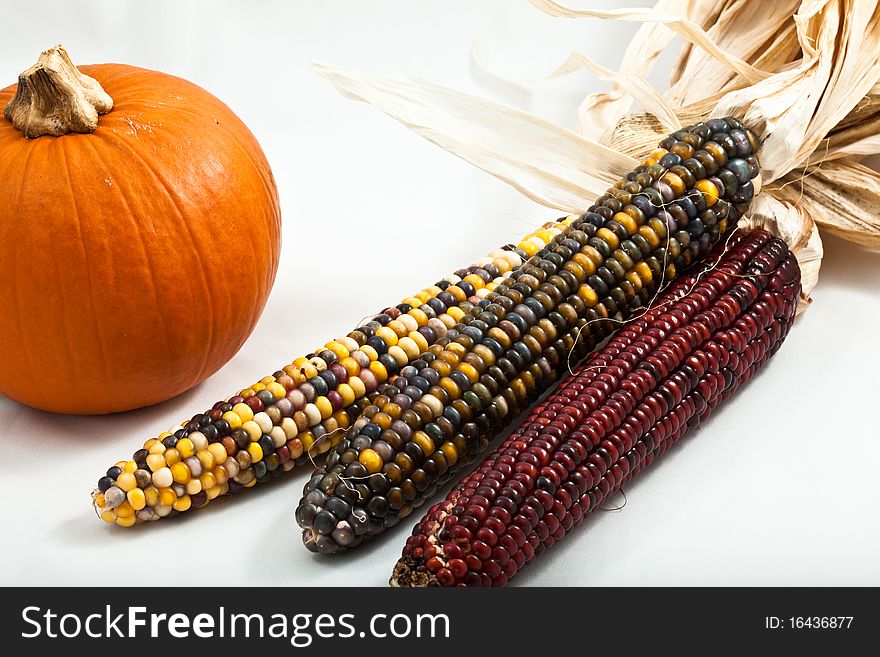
(439, 412)
(622, 408)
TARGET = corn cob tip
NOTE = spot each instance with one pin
(95, 506)
(408, 574)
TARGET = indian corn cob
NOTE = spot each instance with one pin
(626, 405)
(438, 412)
(268, 427)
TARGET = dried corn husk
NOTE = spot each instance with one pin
(842, 196)
(804, 73)
(561, 173)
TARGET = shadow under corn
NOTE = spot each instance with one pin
(19, 422)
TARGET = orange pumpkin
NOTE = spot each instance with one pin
(135, 259)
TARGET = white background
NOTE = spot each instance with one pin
(780, 487)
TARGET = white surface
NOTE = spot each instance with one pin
(780, 487)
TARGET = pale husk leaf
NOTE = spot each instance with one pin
(634, 85)
(796, 108)
(631, 85)
(857, 135)
(761, 33)
(682, 26)
(549, 164)
(600, 112)
(842, 196)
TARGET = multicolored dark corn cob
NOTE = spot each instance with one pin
(301, 410)
(439, 412)
(623, 407)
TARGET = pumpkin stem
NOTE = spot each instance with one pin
(54, 98)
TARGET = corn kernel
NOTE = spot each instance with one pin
(456, 313)
(644, 272)
(288, 426)
(295, 447)
(218, 452)
(588, 295)
(342, 419)
(167, 497)
(403, 325)
(379, 371)
(232, 418)
(357, 385)
(220, 475)
(627, 222)
(447, 320)
(609, 237)
(419, 315)
(529, 247)
(650, 236)
(207, 480)
(338, 348)
(263, 421)
(243, 411)
(256, 452)
(180, 473)
(278, 436)
(126, 521)
(155, 461)
(206, 458)
(351, 366)
(137, 499)
(277, 390)
(469, 371)
(675, 182)
(345, 391)
(312, 414)
(185, 447)
(709, 190)
(151, 495)
(422, 439)
(253, 430)
(449, 452)
(126, 481)
(199, 440)
(398, 354)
